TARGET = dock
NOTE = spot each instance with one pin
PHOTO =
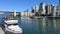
(37, 17)
(1, 31)
(56, 17)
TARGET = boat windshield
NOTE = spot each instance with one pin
(12, 24)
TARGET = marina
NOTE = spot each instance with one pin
(35, 26)
(27, 25)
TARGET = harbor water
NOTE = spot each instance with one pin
(38, 26)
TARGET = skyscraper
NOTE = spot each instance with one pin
(58, 10)
(42, 8)
(53, 11)
(59, 2)
(48, 9)
(33, 9)
(36, 8)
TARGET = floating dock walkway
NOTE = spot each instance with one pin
(1, 31)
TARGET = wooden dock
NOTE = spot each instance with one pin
(1, 31)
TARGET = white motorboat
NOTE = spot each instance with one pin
(12, 27)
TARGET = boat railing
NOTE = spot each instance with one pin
(12, 30)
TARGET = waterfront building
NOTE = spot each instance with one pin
(42, 8)
(14, 13)
(27, 13)
(22, 14)
(37, 12)
(36, 8)
(52, 11)
(58, 10)
(48, 9)
(33, 9)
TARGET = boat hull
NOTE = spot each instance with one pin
(8, 32)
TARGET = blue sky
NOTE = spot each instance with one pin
(22, 5)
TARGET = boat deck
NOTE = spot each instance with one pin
(1, 31)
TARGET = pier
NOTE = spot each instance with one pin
(1, 31)
(56, 17)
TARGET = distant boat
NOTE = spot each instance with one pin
(11, 27)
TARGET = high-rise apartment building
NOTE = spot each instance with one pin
(54, 10)
(42, 8)
(33, 9)
(59, 2)
(36, 8)
(48, 9)
(58, 10)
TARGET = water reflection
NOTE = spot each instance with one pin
(44, 26)
(58, 26)
(54, 25)
(39, 26)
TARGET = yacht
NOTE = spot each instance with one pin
(12, 27)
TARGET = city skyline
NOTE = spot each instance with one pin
(22, 5)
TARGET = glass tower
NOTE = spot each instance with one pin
(59, 2)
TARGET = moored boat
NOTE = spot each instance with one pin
(12, 27)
